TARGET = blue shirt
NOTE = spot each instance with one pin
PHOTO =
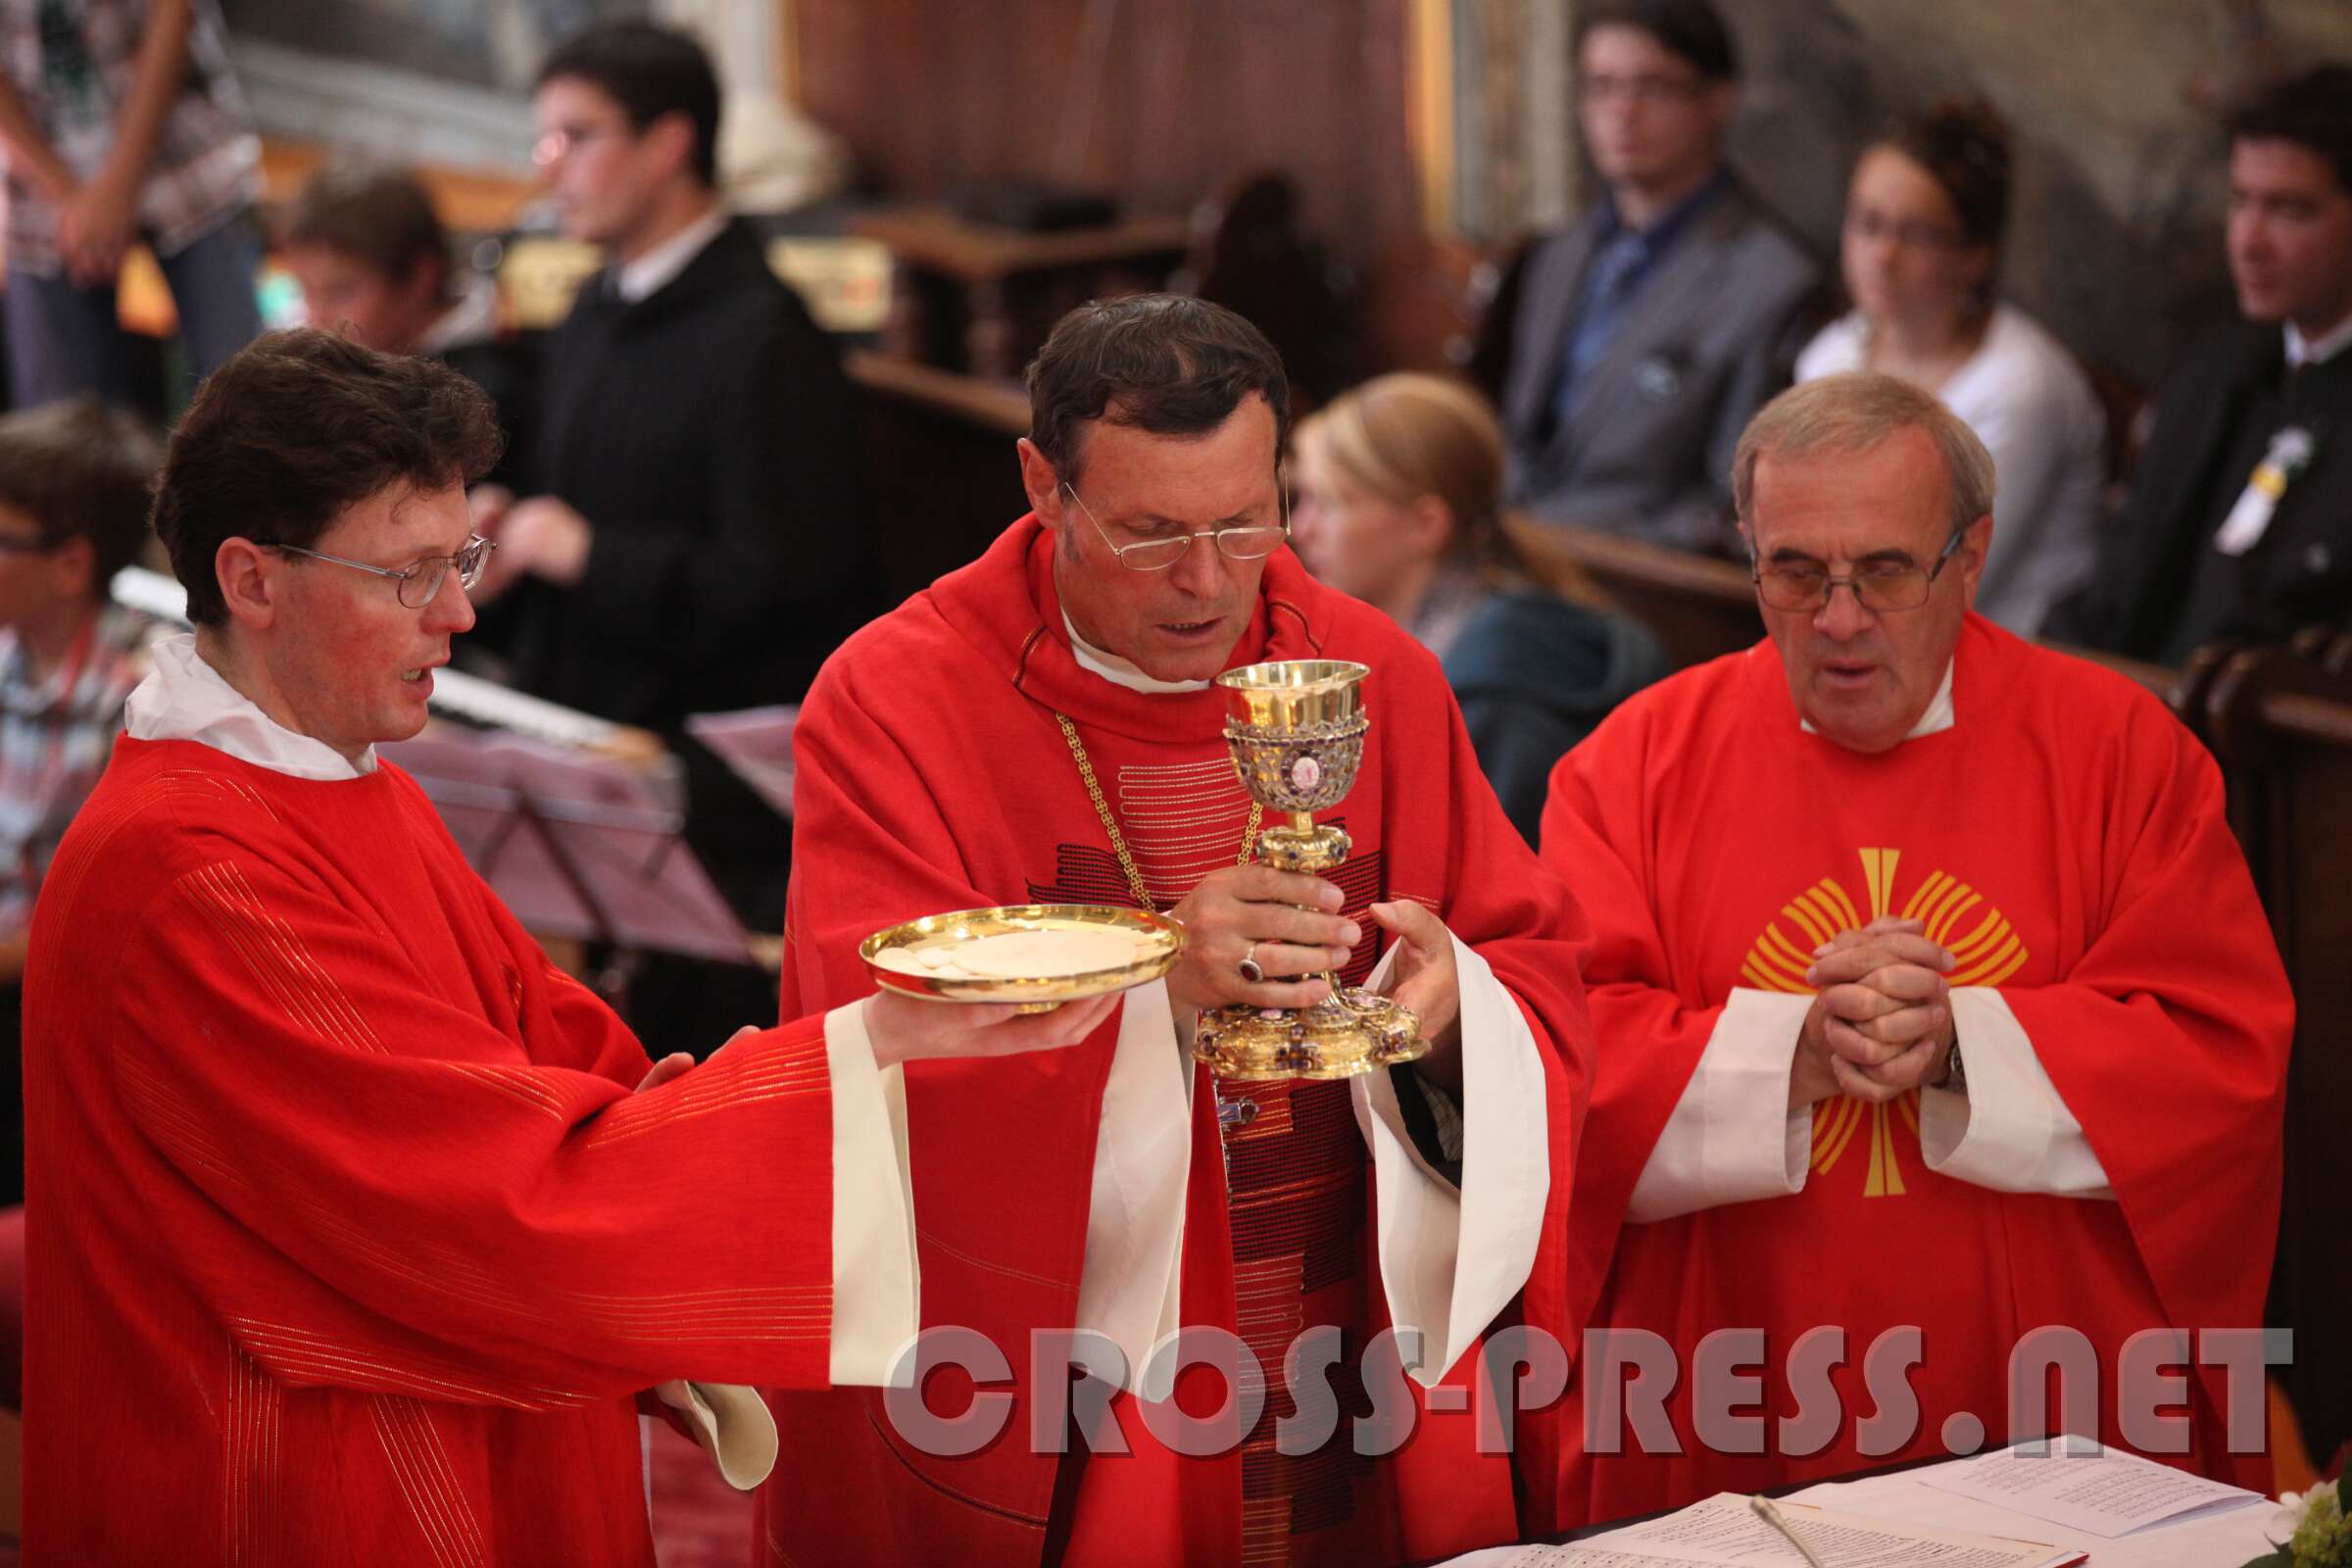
(1623, 260)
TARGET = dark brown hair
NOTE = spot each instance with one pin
(2313, 110)
(1166, 364)
(1963, 144)
(380, 217)
(80, 470)
(650, 70)
(1692, 31)
(295, 430)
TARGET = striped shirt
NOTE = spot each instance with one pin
(72, 63)
(55, 734)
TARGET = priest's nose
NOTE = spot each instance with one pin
(1202, 570)
(451, 611)
(1843, 618)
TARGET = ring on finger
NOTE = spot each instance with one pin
(1251, 969)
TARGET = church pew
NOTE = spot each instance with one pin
(2279, 718)
(2178, 688)
(1698, 607)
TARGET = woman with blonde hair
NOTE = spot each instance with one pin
(1399, 503)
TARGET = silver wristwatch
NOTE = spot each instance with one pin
(1955, 1072)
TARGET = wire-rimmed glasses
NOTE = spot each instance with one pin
(1876, 588)
(417, 584)
(1249, 542)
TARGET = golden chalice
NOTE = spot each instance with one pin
(1296, 730)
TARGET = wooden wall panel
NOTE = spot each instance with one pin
(1188, 96)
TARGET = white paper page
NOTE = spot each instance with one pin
(1724, 1531)
(2109, 1496)
(2211, 1541)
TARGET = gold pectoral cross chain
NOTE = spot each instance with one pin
(1110, 823)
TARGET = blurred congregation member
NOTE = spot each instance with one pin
(1923, 238)
(72, 513)
(1399, 503)
(691, 517)
(1647, 334)
(1899, 1021)
(375, 264)
(122, 123)
(2239, 522)
(690, 536)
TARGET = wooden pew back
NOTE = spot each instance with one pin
(2279, 718)
(1700, 608)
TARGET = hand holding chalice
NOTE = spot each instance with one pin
(1296, 730)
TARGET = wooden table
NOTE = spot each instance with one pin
(980, 298)
(939, 456)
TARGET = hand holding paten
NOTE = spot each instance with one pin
(903, 1028)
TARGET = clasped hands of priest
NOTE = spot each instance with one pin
(1285, 928)
(1881, 1024)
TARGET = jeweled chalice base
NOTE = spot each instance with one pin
(1345, 1037)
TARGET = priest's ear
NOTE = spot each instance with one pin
(1043, 481)
(252, 582)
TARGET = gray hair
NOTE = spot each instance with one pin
(1852, 414)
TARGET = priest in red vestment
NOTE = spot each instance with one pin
(1040, 726)
(1930, 990)
(350, 1236)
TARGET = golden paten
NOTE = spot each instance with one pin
(890, 956)
(1296, 730)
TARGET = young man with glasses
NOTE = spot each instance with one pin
(688, 534)
(378, 1224)
(1647, 334)
(1041, 726)
(1929, 989)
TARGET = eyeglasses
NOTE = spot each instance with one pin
(1910, 233)
(1253, 542)
(556, 145)
(419, 583)
(1641, 89)
(1875, 588)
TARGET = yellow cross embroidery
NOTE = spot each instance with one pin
(1986, 948)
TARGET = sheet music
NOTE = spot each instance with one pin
(2109, 1494)
(595, 855)
(1723, 1532)
(2225, 1539)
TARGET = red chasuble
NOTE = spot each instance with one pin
(2065, 840)
(934, 776)
(348, 1240)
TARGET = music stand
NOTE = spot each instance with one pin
(756, 743)
(578, 846)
